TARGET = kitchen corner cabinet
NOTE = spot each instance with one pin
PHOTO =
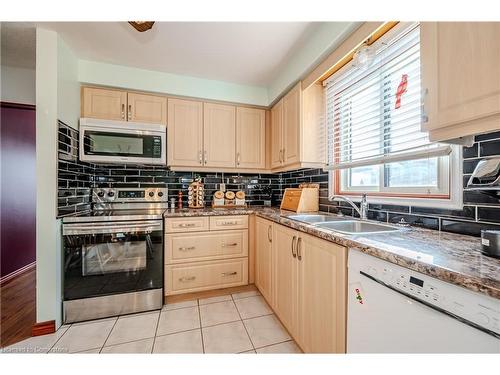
(297, 129)
(307, 285)
(250, 138)
(264, 258)
(110, 104)
(460, 78)
(185, 133)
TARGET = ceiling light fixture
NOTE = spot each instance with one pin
(142, 26)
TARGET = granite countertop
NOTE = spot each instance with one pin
(452, 258)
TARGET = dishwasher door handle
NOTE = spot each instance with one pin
(431, 306)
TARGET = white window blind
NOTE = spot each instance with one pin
(368, 122)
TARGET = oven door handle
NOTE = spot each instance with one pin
(98, 228)
(431, 306)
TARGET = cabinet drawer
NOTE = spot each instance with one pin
(228, 222)
(192, 277)
(188, 247)
(186, 224)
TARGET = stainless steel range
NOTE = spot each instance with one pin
(113, 256)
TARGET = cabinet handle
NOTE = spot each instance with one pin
(425, 117)
(187, 248)
(269, 234)
(229, 223)
(205, 158)
(293, 246)
(186, 225)
(238, 158)
(229, 273)
(130, 111)
(230, 244)
(123, 111)
(299, 248)
(283, 161)
(187, 278)
(200, 156)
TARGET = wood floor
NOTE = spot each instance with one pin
(17, 307)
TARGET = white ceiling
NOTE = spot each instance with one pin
(18, 44)
(246, 53)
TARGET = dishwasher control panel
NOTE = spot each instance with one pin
(472, 306)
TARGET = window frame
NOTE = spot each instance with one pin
(448, 193)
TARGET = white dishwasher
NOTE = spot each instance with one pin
(392, 309)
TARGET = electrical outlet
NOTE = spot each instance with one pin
(222, 187)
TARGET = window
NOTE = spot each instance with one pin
(374, 119)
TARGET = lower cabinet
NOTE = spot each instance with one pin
(264, 258)
(322, 274)
(198, 276)
(307, 285)
(203, 253)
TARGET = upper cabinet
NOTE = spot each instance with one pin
(185, 133)
(109, 104)
(297, 131)
(292, 112)
(460, 78)
(212, 136)
(250, 138)
(104, 103)
(219, 135)
(277, 135)
(146, 108)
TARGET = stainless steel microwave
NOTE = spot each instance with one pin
(122, 142)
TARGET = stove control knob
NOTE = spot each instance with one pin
(111, 194)
(151, 194)
(160, 193)
(100, 194)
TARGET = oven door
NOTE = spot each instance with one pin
(142, 144)
(109, 258)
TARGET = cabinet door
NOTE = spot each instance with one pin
(286, 274)
(264, 258)
(250, 138)
(104, 103)
(322, 285)
(277, 135)
(291, 125)
(460, 71)
(185, 133)
(219, 132)
(147, 108)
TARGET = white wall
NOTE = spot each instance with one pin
(68, 87)
(57, 97)
(147, 80)
(17, 85)
(48, 249)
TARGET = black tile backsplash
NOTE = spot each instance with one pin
(75, 179)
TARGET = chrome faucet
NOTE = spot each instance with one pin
(363, 212)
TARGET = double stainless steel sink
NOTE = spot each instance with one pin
(342, 224)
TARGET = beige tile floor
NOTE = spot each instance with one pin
(237, 323)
